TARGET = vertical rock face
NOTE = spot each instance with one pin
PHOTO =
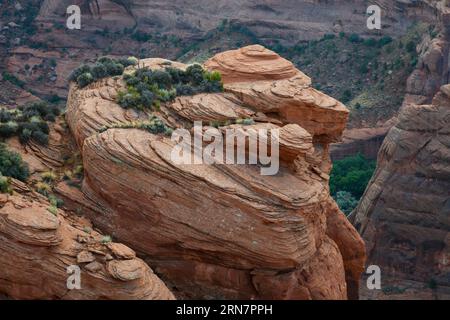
(288, 21)
(224, 231)
(404, 215)
(38, 246)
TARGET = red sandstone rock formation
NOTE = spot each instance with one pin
(37, 246)
(404, 213)
(223, 230)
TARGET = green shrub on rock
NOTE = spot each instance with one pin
(147, 89)
(12, 165)
(102, 68)
(28, 122)
(5, 186)
(84, 79)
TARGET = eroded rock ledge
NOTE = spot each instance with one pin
(224, 230)
(37, 246)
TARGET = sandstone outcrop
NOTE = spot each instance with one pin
(37, 246)
(404, 213)
(223, 231)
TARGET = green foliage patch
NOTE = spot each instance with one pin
(12, 165)
(102, 68)
(147, 89)
(28, 122)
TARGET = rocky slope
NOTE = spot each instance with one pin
(223, 231)
(429, 74)
(37, 246)
(289, 21)
(404, 213)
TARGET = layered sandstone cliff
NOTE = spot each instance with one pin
(38, 247)
(404, 213)
(288, 21)
(223, 230)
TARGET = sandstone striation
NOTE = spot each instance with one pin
(37, 246)
(223, 231)
(253, 63)
(404, 213)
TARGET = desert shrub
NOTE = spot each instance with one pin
(146, 88)
(411, 47)
(78, 171)
(346, 201)
(53, 210)
(141, 36)
(5, 184)
(84, 68)
(55, 201)
(48, 176)
(68, 175)
(8, 129)
(384, 41)
(184, 90)
(99, 71)
(85, 79)
(40, 108)
(13, 79)
(130, 61)
(154, 125)
(103, 67)
(106, 239)
(371, 42)
(35, 129)
(5, 115)
(12, 165)
(43, 188)
(245, 122)
(346, 96)
(354, 38)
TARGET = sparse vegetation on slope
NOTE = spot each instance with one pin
(147, 89)
(28, 122)
(12, 165)
(153, 125)
(103, 67)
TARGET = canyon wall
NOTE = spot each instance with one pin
(223, 231)
(288, 21)
(404, 213)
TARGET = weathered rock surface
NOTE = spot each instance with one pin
(223, 230)
(404, 215)
(288, 21)
(366, 141)
(38, 246)
(253, 63)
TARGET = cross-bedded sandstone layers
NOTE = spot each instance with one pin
(404, 213)
(224, 230)
(38, 246)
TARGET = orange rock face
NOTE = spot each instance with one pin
(224, 231)
(252, 63)
(38, 246)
